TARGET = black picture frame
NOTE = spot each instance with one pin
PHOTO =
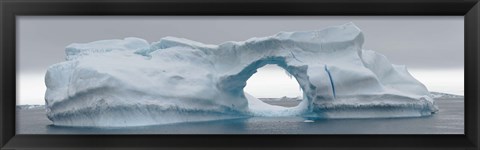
(12, 8)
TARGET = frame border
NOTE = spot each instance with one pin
(9, 9)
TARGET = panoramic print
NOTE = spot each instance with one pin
(240, 75)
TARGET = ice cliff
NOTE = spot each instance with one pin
(131, 82)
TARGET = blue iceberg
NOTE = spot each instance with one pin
(129, 82)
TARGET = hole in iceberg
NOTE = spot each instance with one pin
(272, 91)
(275, 86)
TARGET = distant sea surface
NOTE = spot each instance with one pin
(449, 120)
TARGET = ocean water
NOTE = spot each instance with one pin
(449, 120)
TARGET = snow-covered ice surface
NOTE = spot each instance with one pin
(130, 82)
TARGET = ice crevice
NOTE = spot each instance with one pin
(130, 82)
(331, 81)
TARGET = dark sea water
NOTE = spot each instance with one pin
(449, 120)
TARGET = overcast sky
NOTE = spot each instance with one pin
(430, 46)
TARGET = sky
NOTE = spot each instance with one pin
(430, 46)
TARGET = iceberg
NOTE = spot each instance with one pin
(129, 82)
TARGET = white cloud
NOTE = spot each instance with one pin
(446, 80)
(30, 89)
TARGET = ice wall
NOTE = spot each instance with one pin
(130, 82)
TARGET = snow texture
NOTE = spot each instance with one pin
(116, 83)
